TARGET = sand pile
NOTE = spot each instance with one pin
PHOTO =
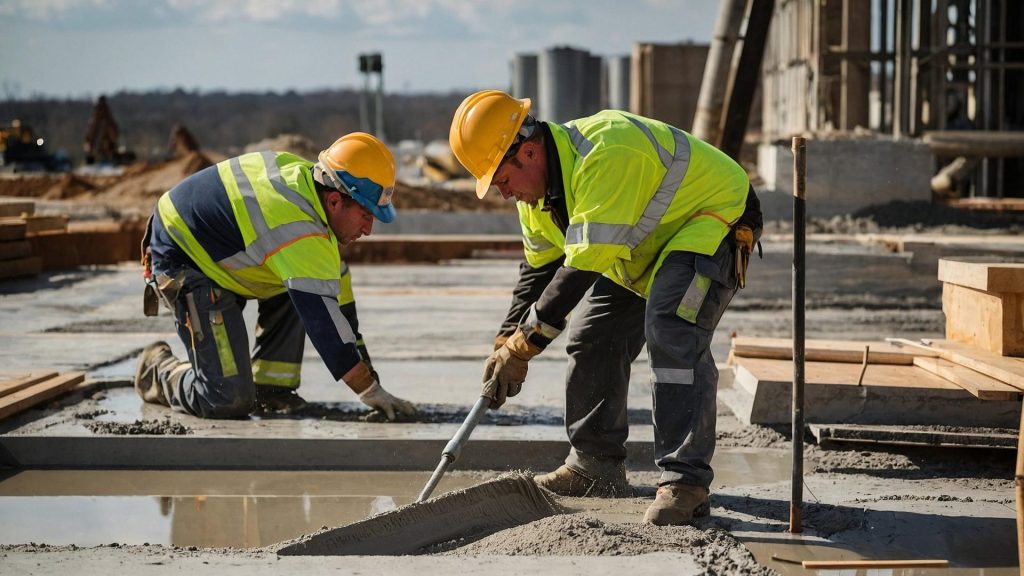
(582, 535)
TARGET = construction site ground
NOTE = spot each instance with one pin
(104, 483)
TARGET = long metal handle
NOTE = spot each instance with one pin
(454, 447)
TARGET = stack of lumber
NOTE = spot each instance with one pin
(30, 243)
(20, 393)
(901, 382)
(18, 226)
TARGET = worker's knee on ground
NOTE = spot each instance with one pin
(229, 403)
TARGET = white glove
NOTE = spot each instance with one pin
(377, 397)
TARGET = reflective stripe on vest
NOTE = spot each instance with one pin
(537, 243)
(632, 236)
(579, 141)
(269, 240)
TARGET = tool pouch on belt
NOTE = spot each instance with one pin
(150, 298)
(745, 234)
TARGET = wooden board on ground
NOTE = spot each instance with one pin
(41, 224)
(842, 374)
(21, 267)
(915, 436)
(38, 393)
(12, 250)
(13, 229)
(847, 351)
(980, 275)
(1003, 368)
(982, 386)
(15, 384)
(16, 207)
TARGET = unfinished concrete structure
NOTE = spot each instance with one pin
(894, 71)
(665, 81)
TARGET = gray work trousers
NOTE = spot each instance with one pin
(218, 382)
(689, 294)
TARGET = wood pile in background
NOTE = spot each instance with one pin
(18, 223)
(30, 244)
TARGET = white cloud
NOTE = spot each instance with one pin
(46, 9)
(255, 10)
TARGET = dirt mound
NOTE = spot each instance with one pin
(416, 198)
(295, 143)
(142, 184)
(582, 535)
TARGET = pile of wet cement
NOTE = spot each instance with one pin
(583, 535)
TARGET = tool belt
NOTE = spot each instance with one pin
(159, 287)
(745, 234)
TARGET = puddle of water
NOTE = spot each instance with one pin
(205, 509)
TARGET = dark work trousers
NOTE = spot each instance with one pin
(217, 381)
(689, 294)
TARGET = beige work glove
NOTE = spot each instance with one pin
(499, 341)
(362, 381)
(377, 397)
(507, 366)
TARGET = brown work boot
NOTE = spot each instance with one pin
(566, 481)
(678, 504)
(147, 373)
(278, 400)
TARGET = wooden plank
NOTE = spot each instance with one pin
(839, 564)
(12, 250)
(12, 386)
(843, 374)
(12, 230)
(21, 267)
(848, 351)
(986, 276)
(1003, 368)
(17, 208)
(42, 224)
(989, 204)
(982, 386)
(913, 436)
(38, 393)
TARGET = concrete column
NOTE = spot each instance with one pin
(524, 79)
(855, 71)
(618, 82)
(716, 72)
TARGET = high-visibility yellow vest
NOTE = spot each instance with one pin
(637, 189)
(543, 242)
(284, 228)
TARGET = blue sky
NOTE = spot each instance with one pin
(85, 47)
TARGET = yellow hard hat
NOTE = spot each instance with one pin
(484, 127)
(361, 166)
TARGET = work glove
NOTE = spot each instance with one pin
(364, 382)
(744, 237)
(500, 340)
(377, 397)
(507, 366)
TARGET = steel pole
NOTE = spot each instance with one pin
(799, 274)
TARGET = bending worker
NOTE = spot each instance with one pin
(264, 226)
(655, 228)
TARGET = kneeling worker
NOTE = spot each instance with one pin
(264, 226)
